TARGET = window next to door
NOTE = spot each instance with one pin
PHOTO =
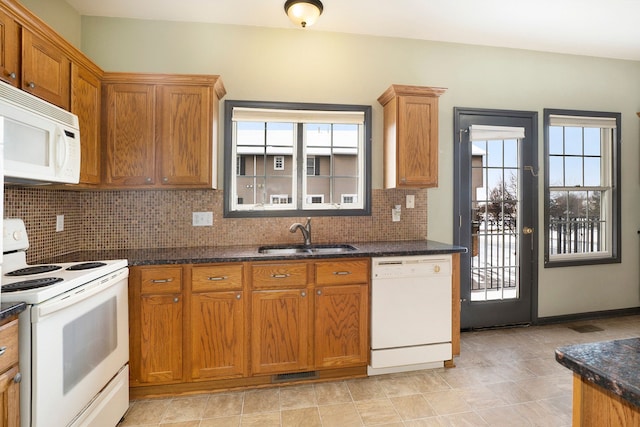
(582, 187)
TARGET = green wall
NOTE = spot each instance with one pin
(302, 65)
(60, 16)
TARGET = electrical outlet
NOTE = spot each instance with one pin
(59, 223)
(411, 201)
(395, 213)
(202, 219)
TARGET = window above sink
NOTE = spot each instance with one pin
(293, 159)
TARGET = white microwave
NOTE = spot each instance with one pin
(41, 141)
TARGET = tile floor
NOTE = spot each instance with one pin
(504, 377)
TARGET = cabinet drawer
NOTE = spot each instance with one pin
(164, 280)
(342, 272)
(279, 275)
(216, 278)
(8, 345)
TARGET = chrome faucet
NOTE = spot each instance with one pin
(305, 229)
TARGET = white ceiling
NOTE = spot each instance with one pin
(604, 28)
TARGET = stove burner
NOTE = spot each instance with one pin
(36, 269)
(31, 284)
(86, 266)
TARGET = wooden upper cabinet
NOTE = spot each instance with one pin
(129, 134)
(85, 103)
(160, 129)
(46, 70)
(185, 135)
(410, 136)
(9, 49)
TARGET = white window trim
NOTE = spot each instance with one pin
(608, 130)
(274, 197)
(311, 196)
(344, 196)
(276, 160)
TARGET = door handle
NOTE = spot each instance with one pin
(527, 230)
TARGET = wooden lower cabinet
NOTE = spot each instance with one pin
(280, 331)
(232, 325)
(341, 313)
(217, 328)
(9, 374)
(341, 325)
(156, 309)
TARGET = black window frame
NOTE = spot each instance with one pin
(616, 195)
(229, 105)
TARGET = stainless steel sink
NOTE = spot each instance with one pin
(302, 249)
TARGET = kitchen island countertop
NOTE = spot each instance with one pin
(612, 365)
(199, 255)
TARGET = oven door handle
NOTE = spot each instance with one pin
(77, 295)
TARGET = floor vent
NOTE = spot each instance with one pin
(586, 328)
(295, 376)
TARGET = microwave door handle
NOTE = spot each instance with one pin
(62, 149)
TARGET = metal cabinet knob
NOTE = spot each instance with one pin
(12, 75)
(3, 349)
(303, 294)
(238, 296)
(176, 299)
(165, 179)
(32, 85)
(319, 292)
(18, 378)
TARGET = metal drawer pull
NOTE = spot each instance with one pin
(3, 350)
(280, 276)
(162, 280)
(217, 278)
(341, 273)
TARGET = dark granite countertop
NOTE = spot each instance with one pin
(613, 365)
(197, 255)
(8, 309)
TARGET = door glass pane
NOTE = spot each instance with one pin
(495, 212)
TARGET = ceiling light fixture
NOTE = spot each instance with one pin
(303, 12)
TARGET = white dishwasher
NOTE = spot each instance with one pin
(410, 313)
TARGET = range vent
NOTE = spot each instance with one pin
(294, 376)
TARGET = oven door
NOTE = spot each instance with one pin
(79, 343)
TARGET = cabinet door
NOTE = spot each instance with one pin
(280, 331)
(185, 135)
(9, 398)
(217, 335)
(9, 49)
(46, 70)
(161, 338)
(341, 326)
(85, 103)
(130, 145)
(417, 151)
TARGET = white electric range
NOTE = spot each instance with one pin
(73, 336)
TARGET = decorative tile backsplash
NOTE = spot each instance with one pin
(96, 220)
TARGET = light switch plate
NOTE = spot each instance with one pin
(59, 223)
(202, 219)
(411, 201)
